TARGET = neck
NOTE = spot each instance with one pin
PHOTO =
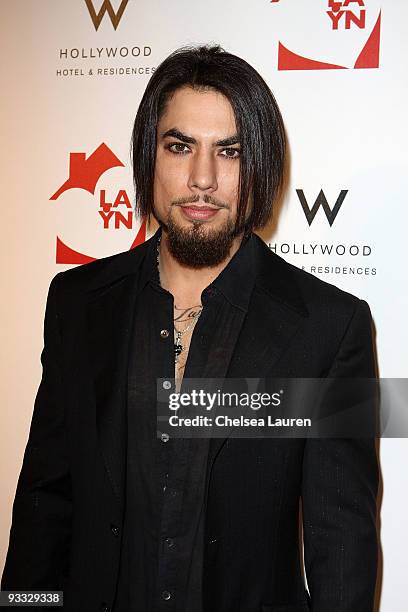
(184, 283)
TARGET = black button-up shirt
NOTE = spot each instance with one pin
(163, 545)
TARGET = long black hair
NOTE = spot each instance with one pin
(257, 116)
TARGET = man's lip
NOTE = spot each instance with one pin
(195, 207)
(201, 213)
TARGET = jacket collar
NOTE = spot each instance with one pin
(253, 264)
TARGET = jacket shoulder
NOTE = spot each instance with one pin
(316, 295)
(89, 276)
(315, 289)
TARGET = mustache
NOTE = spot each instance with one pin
(196, 198)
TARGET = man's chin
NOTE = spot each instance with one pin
(199, 244)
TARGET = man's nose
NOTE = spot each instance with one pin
(203, 174)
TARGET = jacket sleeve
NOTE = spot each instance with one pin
(339, 490)
(38, 550)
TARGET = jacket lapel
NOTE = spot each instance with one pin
(276, 311)
(109, 314)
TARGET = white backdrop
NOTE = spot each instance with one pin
(73, 73)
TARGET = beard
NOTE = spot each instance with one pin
(197, 246)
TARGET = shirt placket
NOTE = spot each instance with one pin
(179, 490)
(170, 478)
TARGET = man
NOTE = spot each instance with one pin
(121, 519)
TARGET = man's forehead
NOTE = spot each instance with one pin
(189, 109)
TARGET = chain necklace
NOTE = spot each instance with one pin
(178, 347)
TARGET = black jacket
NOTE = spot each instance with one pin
(68, 508)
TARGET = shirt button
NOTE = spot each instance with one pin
(166, 384)
(166, 595)
(164, 333)
(165, 437)
(115, 530)
(169, 542)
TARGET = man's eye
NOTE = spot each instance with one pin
(231, 153)
(178, 147)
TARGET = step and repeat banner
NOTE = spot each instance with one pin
(73, 73)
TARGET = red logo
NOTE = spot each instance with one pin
(84, 173)
(341, 15)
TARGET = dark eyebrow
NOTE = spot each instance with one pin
(227, 142)
(175, 133)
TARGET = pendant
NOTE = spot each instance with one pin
(177, 350)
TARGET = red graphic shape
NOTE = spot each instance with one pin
(288, 60)
(140, 237)
(370, 55)
(85, 173)
(66, 255)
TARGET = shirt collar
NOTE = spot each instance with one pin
(235, 282)
(237, 279)
(149, 271)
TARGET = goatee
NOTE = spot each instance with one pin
(198, 246)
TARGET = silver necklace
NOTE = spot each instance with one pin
(178, 347)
